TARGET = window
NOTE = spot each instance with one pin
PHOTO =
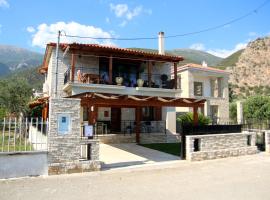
(147, 113)
(198, 89)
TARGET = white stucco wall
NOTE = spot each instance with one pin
(188, 77)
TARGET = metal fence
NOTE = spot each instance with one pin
(23, 134)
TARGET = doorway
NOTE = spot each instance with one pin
(116, 120)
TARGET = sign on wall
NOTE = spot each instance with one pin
(64, 123)
(88, 130)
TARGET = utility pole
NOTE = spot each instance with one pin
(57, 57)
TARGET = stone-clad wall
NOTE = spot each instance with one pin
(64, 150)
(220, 146)
(159, 138)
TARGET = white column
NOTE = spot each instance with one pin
(169, 114)
(240, 117)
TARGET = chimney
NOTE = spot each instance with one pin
(204, 64)
(161, 49)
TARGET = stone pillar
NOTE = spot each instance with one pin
(65, 140)
(240, 117)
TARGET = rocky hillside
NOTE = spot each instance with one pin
(231, 60)
(252, 70)
(14, 58)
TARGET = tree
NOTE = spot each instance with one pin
(15, 95)
(257, 107)
(233, 111)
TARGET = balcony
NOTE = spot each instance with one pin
(121, 83)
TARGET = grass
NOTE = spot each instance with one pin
(19, 144)
(170, 148)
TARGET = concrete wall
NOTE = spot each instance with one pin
(267, 141)
(220, 146)
(23, 164)
(64, 150)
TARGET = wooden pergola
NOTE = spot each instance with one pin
(94, 100)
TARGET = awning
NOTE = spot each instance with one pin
(101, 99)
(38, 102)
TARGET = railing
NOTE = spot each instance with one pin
(20, 135)
(92, 75)
(129, 127)
(210, 129)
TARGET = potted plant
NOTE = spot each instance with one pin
(140, 81)
(119, 79)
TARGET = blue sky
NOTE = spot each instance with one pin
(31, 23)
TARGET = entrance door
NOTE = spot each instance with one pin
(214, 114)
(115, 119)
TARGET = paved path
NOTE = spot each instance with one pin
(131, 154)
(241, 178)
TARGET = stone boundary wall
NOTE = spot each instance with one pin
(214, 146)
(64, 150)
(145, 138)
(21, 164)
(159, 138)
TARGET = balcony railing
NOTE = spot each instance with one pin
(93, 76)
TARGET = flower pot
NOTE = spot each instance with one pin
(119, 80)
(140, 82)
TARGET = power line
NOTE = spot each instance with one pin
(254, 11)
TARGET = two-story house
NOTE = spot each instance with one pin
(121, 90)
(201, 81)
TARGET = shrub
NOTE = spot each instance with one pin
(187, 119)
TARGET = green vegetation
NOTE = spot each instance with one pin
(19, 143)
(231, 60)
(257, 107)
(187, 119)
(31, 75)
(14, 96)
(190, 56)
(233, 111)
(170, 148)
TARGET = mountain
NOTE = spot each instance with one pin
(231, 60)
(33, 77)
(251, 72)
(190, 56)
(196, 56)
(14, 58)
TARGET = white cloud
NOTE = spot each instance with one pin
(197, 46)
(4, 4)
(119, 9)
(223, 53)
(133, 13)
(107, 20)
(30, 29)
(127, 14)
(48, 33)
